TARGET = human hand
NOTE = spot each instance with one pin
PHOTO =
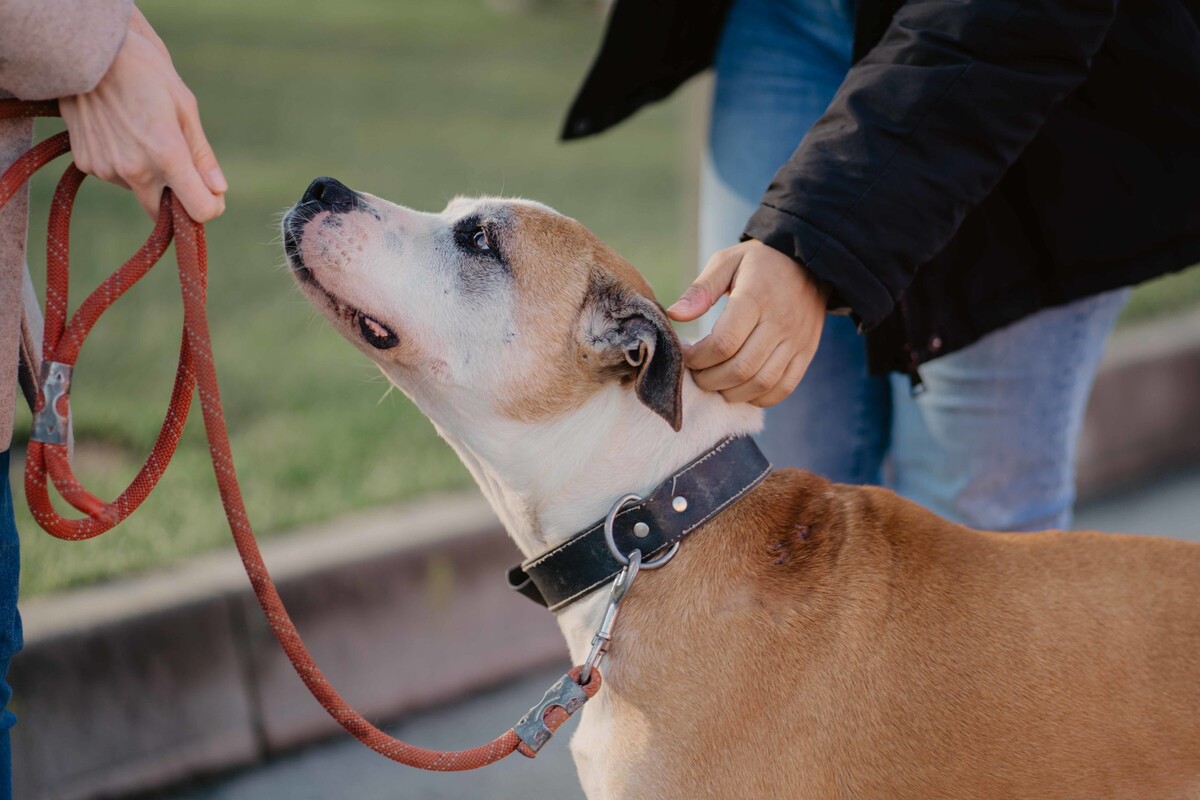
(768, 333)
(140, 129)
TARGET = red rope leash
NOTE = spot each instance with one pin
(64, 338)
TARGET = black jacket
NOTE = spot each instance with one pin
(982, 160)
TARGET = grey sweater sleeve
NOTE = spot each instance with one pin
(54, 48)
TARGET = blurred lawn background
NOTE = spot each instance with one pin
(414, 101)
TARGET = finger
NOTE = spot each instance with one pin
(80, 150)
(714, 281)
(765, 378)
(75, 115)
(788, 383)
(199, 202)
(744, 366)
(92, 147)
(149, 195)
(737, 321)
(111, 164)
(203, 156)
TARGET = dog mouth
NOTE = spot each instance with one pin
(376, 334)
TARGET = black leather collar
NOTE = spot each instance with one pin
(708, 485)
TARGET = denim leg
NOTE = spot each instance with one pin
(991, 441)
(10, 620)
(837, 422)
(778, 65)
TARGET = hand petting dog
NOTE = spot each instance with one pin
(768, 333)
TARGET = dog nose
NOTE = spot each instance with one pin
(329, 194)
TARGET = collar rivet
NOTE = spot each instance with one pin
(679, 504)
(641, 530)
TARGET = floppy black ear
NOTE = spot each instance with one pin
(622, 320)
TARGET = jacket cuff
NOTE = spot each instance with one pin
(57, 48)
(852, 284)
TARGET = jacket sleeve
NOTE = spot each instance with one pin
(54, 48)
(920, 132)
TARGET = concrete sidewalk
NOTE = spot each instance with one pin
(1170, 506)
(342, 768)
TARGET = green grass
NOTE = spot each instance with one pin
(1170, 294)
(415, 101)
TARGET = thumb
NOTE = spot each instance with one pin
(714, 281)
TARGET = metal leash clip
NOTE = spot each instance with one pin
(603, 637)
(568, 693)
(565, 694)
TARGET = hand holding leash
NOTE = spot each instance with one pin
(140, 129)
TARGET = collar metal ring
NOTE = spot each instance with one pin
(609, 538)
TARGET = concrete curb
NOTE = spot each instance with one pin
(135, 685)
(1144, 415)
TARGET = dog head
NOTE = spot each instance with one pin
(504, 302)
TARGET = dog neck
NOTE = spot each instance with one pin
(548, 481)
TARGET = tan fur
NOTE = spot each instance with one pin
(553, 262)
(819, 641)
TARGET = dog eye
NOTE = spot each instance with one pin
(475, 237)
(480, 240)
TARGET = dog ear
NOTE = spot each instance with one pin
(633, 331)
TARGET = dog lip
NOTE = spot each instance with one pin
(378, 335)
(293, 225)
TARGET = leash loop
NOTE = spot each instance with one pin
(47, 458)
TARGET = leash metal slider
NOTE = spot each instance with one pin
(603, 637)
(50, 426)
(566, 694)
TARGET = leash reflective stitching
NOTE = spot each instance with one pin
(47, 453)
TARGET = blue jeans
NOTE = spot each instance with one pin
(991, 440)
(10, 620)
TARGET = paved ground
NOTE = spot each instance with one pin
(1170, 507)
(343, 768)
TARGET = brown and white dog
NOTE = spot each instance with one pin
(814, 640)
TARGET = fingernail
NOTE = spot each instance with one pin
(216, 180)
(684, 302)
